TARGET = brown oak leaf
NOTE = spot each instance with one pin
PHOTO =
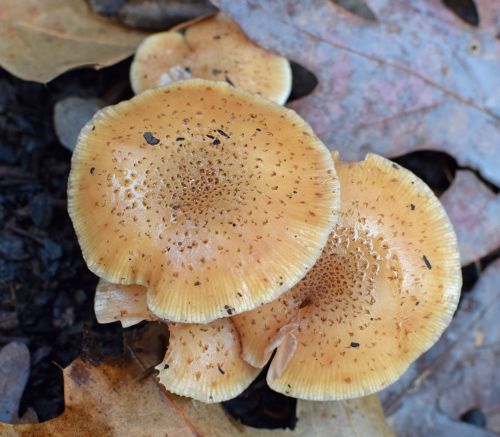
(474, 211)
(416, 78)
(40, 39)
(122, 398)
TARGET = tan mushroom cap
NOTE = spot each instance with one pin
(213, 48)
(202, 361)
(383, 291)
(124, 303)
(215, 199)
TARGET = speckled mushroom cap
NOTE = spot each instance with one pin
(215, 199)
(213, 48)
(383, 291)
(202, 361)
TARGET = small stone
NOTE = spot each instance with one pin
(80, 296)
(12, 247)
(70, 115)
(8, 320)
(7, 154)
(50, 255)
(40, 210)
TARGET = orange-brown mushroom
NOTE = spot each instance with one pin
(213, 48)
(215, 199)
(202, 361)
(383, 291)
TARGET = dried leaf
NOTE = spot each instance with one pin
(14, 372)
(416, 78)
(489, 13)
(355, 417)
(474, 211)
(109, 400)
(40, 39)
(116, 399)
(459, 374)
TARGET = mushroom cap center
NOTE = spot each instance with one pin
(342, 285)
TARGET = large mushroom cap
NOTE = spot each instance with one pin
(202, 361)
(382, 292)
(213, 48)
(215, 199)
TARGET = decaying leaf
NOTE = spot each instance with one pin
(14, 372)
(416, 78)
(109, 400)
(474, 211)
(458, 375)
(489, 12)
(152, 15)
(40, 39)
(118, 399)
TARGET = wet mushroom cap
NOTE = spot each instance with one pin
(213, 48)
(202, 361)
(214, 199)
(382, 292)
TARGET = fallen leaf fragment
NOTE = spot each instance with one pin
(115, 399)
(474, 211)
(70, 115)
(109, 400)
(416, 78)
(489, 13)
(40, 39)
(458, 375)
(356, 417)
(14, 373)
(152, 15)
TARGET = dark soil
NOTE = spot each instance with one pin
(46, 291)
(45, 287)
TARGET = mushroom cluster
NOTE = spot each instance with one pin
(220, 214)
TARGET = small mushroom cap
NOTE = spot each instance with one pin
(204, 362)
(213, 48)
(214, 199)
(382, 292)
(124, 303)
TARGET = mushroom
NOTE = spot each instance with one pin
(126, 304)
(212, 48)
(202, 361)
(382, 292)
(215, 199)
